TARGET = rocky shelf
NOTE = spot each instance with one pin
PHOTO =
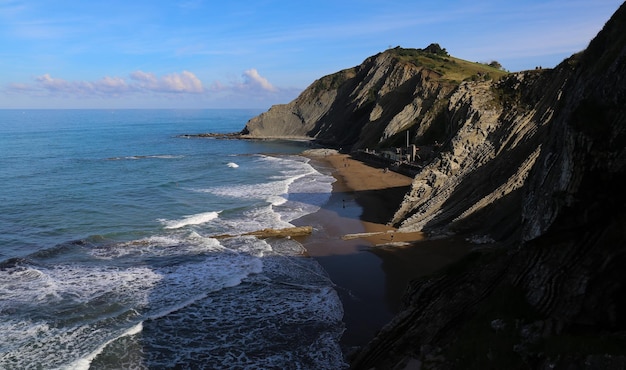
(273, 233)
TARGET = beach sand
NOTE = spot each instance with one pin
(369, 262)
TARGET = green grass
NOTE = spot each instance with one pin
(450, 68)
(334, 81)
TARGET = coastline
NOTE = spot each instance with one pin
(369, 262)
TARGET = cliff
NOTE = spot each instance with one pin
(373, 104)
(533, 163)
(543, 172)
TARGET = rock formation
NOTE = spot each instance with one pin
(535, 162)
(373, 104)
(287, 232)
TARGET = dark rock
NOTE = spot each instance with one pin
(535, 161)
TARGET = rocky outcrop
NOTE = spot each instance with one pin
(533, 161)
(370, 105)
(474, 184)
(287, 232)
(552, 297)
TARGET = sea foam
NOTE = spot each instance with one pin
(113, 301)
(197, 219)
(136, 293)
(85, 362)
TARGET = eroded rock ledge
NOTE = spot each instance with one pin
(230, 135)
(273, 233)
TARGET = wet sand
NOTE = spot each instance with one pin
(369, 261)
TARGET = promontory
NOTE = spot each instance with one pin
(531, 163)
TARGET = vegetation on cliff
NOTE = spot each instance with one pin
(373, 104)
(454, 69)
(533, 163)
(549, 293)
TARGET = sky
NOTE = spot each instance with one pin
(118, 54)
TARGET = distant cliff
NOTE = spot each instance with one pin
(533, 163)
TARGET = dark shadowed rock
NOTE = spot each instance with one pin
(535, 161)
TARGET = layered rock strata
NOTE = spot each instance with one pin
(533, 164)
(552, 296)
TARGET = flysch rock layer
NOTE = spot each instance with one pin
(534, 162)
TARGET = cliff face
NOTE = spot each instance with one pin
(534, 161)
(549, 179)
(370, 105)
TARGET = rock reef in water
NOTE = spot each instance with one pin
(287, 232)
(535, 161)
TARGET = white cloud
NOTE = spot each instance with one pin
(251, 89)
(111, 84)
(182, 82)
(253, 79)
(145, 80)
(106, 85)
(55, 84)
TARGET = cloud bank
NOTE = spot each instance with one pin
(184, 82)
(141, 82)
(138, 81)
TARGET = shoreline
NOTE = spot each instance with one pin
(369, 262)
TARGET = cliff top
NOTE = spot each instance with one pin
(433, 58)
(450, 68)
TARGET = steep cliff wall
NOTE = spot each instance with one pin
(554, 297)
(535, 161)
(373, 104)
(475, 183)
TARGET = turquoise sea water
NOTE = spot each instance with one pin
(107, 254)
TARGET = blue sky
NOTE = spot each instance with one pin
(253, 54)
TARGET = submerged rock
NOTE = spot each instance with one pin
(274, 233)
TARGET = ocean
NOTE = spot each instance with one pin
(108, 255)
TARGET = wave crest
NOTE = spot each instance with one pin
(197, 219)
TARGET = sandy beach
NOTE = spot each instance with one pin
(369, 261)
